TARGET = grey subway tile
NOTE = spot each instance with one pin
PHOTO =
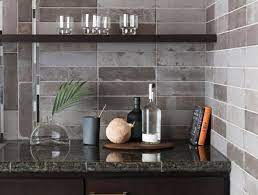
(67, 47)
(25, 110)
(10, 17)
(180, 73)
(86, 103)
(222, 24)
(181, 47)
(70, 117)
(50, 14)
(177, 117)
(126, 59)
(251, 59)
(220, 75)
(236, 96)
(181, 28)
(235, 135)
(181, 88)
(119, 103)
(219, 142)
(236, 116)
(238, 38)
(237, 178)
(82, 73)
(25, 28)
(181, 4)
(10, 80)
(235, 154)
(251, 79)
(167, 103)
(68, 3)
(165, 58)
(11, 125)
(252, 35)
(24, 62)
(209, 74)
(251, 122)
(180, 15)
(236, 77)
(24, 10)
(250, 184)
(109, 115)
(50, 88)
(127, 4)
(53, 74)
(127, 74)
(234, 4)
(220, 92)
(219, 126)
(210, 13)
(169, 132)
(189, 103)
(237, 18)
(122, 88)
(10, 47)
(251, 165)
(211, 27)
(251, 100)
(251, 143)
(252, 15)
(71, 59)
(221, 8)
(236, 57)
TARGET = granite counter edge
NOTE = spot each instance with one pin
(84, 167)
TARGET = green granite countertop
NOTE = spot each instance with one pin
(20, 157)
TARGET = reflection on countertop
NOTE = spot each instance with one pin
(20, 156)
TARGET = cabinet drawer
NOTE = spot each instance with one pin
(157, 186)
(41, 186)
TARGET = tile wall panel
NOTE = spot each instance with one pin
(115, 72)
(231, 87)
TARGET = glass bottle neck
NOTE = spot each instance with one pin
(136, 106)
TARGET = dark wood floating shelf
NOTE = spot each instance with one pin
(110, 38)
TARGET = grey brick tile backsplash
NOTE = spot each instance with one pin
(118, 72)
(234, 62)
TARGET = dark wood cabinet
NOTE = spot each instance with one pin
(115, 184)
(157, 186)
(41, 186)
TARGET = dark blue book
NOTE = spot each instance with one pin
(196, 125)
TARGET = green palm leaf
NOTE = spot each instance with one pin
(69, 94)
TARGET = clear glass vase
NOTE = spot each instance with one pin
(49, 133)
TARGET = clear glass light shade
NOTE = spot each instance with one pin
(129, 24)
(65, 25)
(49, 133)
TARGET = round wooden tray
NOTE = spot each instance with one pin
(139, 146)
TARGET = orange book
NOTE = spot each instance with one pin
(202, 153)
(205, 125)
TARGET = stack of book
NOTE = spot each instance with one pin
(200, 125)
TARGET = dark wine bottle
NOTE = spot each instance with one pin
(135, 116)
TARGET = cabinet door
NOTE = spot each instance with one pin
(41, 187)
(157, 186)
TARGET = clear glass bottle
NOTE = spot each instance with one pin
(135, 116)
(151, 120)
